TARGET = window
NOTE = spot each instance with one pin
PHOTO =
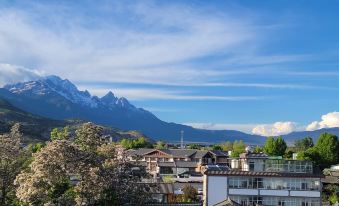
(251, 166)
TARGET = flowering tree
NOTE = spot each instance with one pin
(81, 172)
(12, 158)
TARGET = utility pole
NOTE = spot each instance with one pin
(182, 139)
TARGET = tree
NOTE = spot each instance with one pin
(269, 146)
(33, 148)
(89, 136)
(258, 149)
(303, 144)
(190, 193)
(227, 146)
(275, 147)
(280, 147)
(12, 158)
(216, 147)
(160, 145)
(140, 142)
(85, 172)
(62, 134)
(328, 148)
(238, 148)
(310, 154)
(194, 146)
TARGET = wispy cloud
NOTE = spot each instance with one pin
(247, 128)
(313, 73)
(166, 35)
(164, 94)
(10, 74)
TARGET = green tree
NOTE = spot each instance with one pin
(34, 148)
(216, 147)
(160, 145)
(275, 147)
(227, 146)
(280, 147)
(140, 142)
(328, 148)
(303, 144)
(194, 146)
(238, 148)
(258, 149)
(310, 154)
(269, 146)
(60, 134)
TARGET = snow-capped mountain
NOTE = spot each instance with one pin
(65, 88)
(60, 99)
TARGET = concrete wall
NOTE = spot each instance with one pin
(217, 189)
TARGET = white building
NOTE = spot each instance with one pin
(256, 179)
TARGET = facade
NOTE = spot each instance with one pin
(256, 179)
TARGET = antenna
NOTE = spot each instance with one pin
(182, 139)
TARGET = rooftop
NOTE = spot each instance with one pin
(234, 172)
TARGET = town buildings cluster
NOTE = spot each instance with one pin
(250, 179)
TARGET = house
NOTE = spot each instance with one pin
(175, 162)
(257, 179)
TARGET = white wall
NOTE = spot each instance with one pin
(217, 189)
(243, 191)
(305, 193)
(280, 193)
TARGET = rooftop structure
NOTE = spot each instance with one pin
(257, 179)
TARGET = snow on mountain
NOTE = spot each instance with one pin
(69, 91)
(109, 100)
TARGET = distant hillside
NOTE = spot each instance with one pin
(36, 128)
(290, 138)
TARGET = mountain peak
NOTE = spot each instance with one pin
(109, 95)
(123, 102)
(109, 99)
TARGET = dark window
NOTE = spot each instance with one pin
(251, 166)
(166, 170)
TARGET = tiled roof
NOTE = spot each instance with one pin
(185, 164)
(235, 172)
(139, 152)
(227, 202)
(176, 153)
(253, 155)
(200, 154)
(166, 164)
(182, 153)
(219, 153)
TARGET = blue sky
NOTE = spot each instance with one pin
(264, 67)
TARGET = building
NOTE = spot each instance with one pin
(257, 179)
(176, 162)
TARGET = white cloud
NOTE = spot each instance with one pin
(275, 129)
(327, 121)
(10, 74)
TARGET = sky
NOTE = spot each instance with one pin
(262, 67)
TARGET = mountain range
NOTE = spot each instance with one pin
(59, 99)
(36, 128)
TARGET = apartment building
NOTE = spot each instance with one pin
(257, 179)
